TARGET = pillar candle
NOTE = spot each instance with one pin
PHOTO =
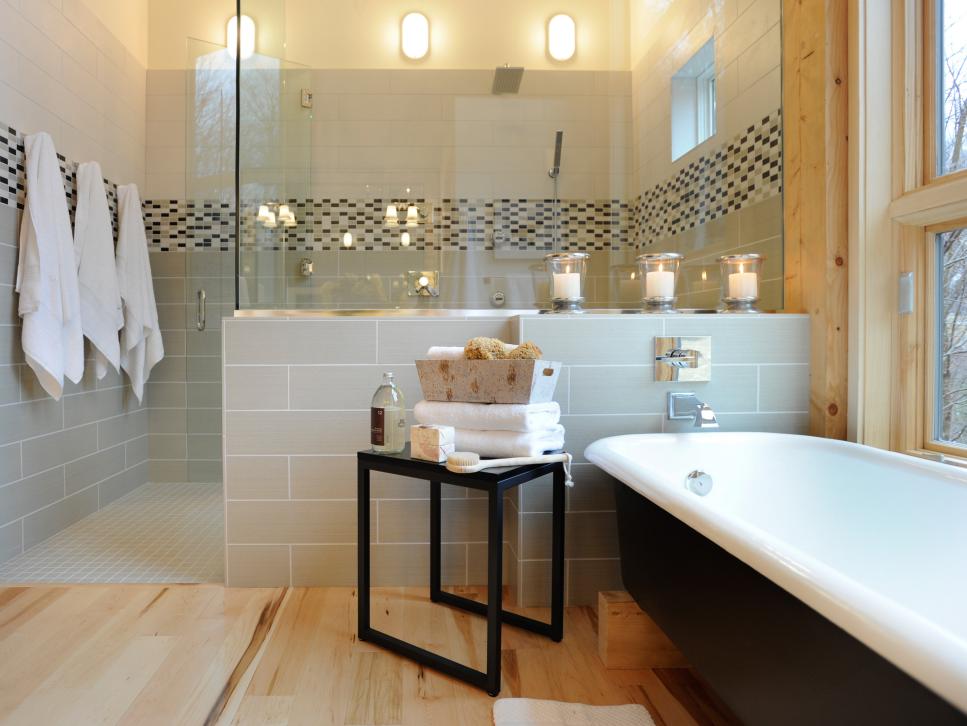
(743, 284)
(567, 285)
(660, 283)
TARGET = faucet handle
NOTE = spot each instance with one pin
(680, 358)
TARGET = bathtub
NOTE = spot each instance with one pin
(816, 581)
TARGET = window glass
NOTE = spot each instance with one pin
(951, 408)
(952, 85)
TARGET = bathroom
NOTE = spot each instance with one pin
(731, 229)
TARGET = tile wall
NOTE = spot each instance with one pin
(59, 460)
(297, 393)
(63, 72)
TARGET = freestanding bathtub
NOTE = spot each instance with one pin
(816, 581)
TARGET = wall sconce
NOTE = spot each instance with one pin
(415, 36)
(561, 37)
(412, 216)
(247, 41)
(286, 216)
(392, 218)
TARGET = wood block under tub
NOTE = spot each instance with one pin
(489, 381)
(628, 639)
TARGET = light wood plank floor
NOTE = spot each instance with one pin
(205, 654)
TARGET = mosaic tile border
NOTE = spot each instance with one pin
(738, 174)
(13, 181)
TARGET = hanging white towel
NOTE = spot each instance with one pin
(489, 416)
(141, 346)
(506, 444)
(101, 315)
(52, 340)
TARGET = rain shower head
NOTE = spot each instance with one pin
(507, 79)
(558, 148)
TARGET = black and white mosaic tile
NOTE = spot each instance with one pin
(13, 179)
(740, 173)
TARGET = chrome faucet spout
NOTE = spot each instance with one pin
(685, 406)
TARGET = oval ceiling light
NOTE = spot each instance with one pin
(561, 37)
(247, 41)
(415, 36)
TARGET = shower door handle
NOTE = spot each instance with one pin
(202, 314)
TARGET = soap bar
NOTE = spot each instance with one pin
(432, 443)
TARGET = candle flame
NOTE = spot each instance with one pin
(661, 267)
(704, 276)
(741, 268)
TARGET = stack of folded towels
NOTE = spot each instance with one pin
(495, 430)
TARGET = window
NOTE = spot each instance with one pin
(950, 405)
(951, 80)
(693, 101)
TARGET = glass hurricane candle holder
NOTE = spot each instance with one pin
(566, 275)
(740, 282)
(658, 275)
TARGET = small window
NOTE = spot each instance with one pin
(951, 118)
(693, 101)
(950, 414)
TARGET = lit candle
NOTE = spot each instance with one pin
(743, 284)
(567, 286)
(660, 283)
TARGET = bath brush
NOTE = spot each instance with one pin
(465, 462)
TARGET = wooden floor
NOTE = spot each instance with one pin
(205, 654)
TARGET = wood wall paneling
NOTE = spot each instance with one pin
(815, 112)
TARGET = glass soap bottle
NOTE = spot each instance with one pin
(388, 418)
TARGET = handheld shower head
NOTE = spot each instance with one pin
(555, 171)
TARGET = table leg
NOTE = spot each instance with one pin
(362, 556)
(557, 558)
(495, 587)
(435, 537)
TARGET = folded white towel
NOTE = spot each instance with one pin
(489, 416)
(101, 315)
(51, 338)
(141, 346)
(505, 444)
(443, 352)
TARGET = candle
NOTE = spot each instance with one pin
(743, 284)
(567, 285)
(660, 283)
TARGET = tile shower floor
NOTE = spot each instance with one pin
(159, 533)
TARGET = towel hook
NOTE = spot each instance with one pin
(202, 310)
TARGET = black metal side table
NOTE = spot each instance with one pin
(495, 482)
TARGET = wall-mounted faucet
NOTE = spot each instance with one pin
(684, 406)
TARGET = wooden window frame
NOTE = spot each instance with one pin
(900, 364)
(929, 19)
(922, 206)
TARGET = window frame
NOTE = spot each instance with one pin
(924, 205)
(932, 53)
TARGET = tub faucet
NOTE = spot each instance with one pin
(684, 406)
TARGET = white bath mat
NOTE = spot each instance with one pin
(532, 712)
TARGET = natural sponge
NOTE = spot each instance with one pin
(484, 349)
(525, 351)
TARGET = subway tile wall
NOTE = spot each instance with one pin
(59, 460)
(63, 72)
(297, 393)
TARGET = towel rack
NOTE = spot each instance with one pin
(202, 314)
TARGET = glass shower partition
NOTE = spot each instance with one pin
(274, 169)
(209, 250)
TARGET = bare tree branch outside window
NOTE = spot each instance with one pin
(952, 246)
